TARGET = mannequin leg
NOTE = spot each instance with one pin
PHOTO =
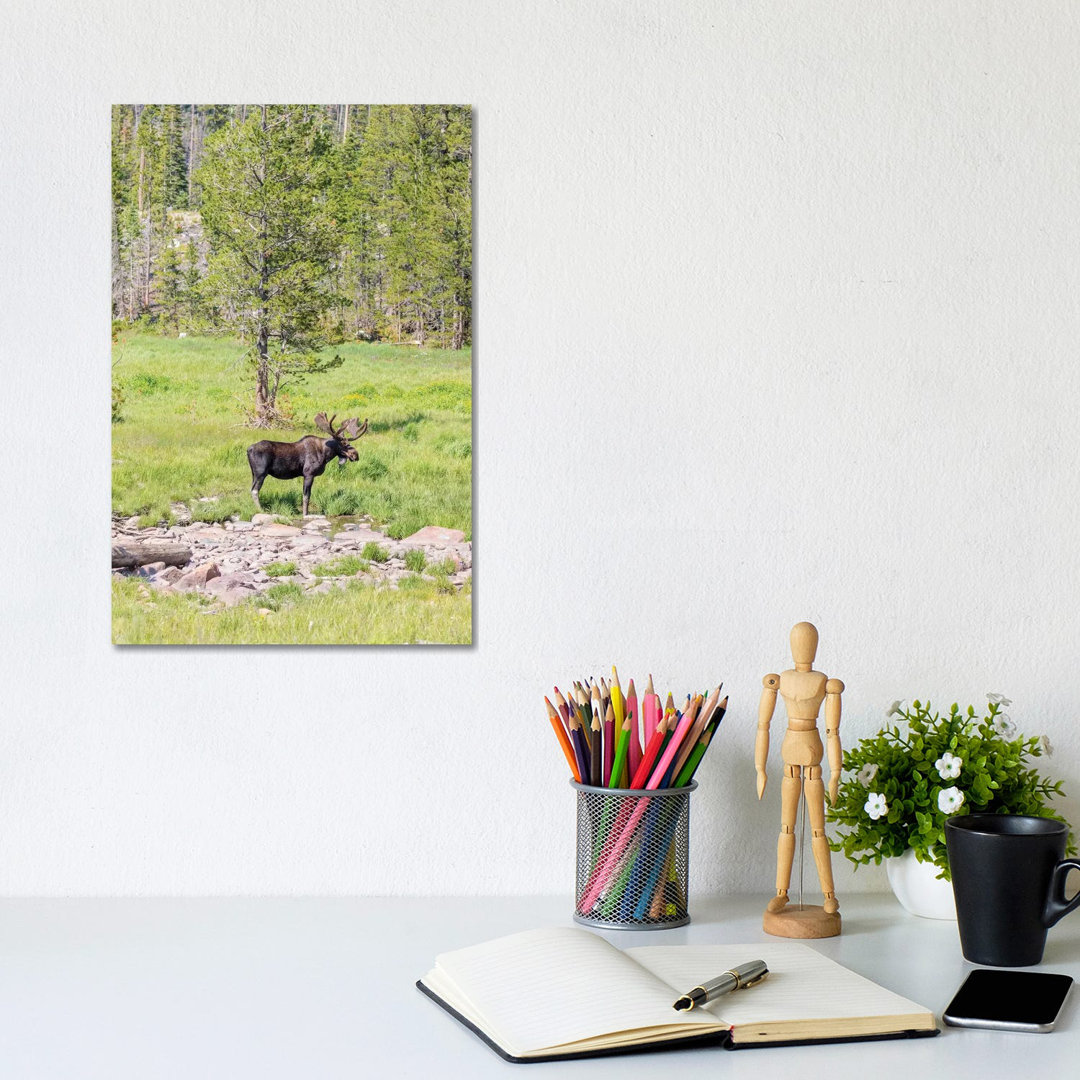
(790, 790)
(815, 805)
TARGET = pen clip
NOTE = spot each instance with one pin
(754, 981)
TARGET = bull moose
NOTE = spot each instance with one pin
(308, 457)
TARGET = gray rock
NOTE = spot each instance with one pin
(211, 535)
(434, 534)
(306, 543)
(359, 537)
(231, 589)
(197, 578)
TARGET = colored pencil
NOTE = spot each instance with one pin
(648, 758)
(564, 709)
(598, 714)
(581, 747)
(698, 753)
(596, 755)
(564, 740)
(609, 743)
(672, 748)
(583, 726)
(634, 757)
(703, 717)
(622, 749)
(617, 703)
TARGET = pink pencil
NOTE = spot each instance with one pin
(703, 717)
(602, 877)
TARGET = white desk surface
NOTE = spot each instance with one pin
(324, 988)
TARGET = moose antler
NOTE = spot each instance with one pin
(353, 429)
(326, 425)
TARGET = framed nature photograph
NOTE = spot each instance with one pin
(291, 374)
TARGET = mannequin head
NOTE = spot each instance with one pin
(804, 640)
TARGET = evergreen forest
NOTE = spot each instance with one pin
(292, 228)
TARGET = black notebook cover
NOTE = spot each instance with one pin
(690, 1042)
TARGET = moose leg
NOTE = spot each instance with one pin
(308, 481)
(258, 472)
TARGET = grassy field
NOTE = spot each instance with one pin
(181, 437)
(418, 611)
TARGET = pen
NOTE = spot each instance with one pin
(738, 978)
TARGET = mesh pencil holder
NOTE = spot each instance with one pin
(633, 857)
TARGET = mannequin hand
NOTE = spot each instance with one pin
(834, 788)
(761, 779)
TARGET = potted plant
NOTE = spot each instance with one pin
(899, 787)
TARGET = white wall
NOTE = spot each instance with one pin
(777, 318)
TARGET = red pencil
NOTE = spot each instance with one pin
(648, 758)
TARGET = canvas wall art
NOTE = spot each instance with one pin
(291, 374)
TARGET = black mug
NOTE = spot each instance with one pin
(1008, 877)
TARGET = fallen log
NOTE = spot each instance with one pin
(127, 554)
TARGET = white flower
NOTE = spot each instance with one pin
(998, 699)
(895, 709)
(948, 766)
(1003, 725)
(866, 774)
(1047, 748)
(876, 806)
(950, 800)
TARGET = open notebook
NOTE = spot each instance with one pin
(562, 992)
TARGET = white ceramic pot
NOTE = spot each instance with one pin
(917, 886)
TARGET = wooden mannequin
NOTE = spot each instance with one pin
(803, 691)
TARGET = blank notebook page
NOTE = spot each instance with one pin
(802, 984)
(577, 986)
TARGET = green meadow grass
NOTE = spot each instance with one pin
(359, 614)
(182, 436)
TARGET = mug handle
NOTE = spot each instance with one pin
(1056, 904)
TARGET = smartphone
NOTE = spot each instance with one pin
(1013, 1000)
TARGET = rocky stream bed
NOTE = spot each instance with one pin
(227, 563)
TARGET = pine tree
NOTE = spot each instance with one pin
(265, 186)
(174, 157)
(387, 220)
(172, 285)
(125, 219)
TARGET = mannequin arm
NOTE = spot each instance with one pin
(765, 712)
(833, 689)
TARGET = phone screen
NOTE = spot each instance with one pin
(1015, 1000)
